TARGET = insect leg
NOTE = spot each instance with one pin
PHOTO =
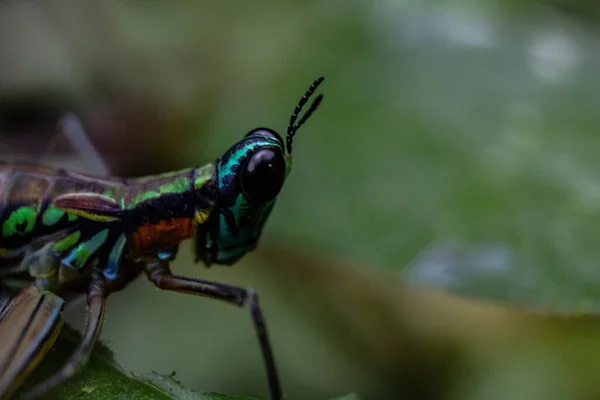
(96, 299)
(29, 325)
(160, 274)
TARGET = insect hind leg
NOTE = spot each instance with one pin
(30, 323)
(96, 299)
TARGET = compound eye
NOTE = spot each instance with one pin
(266, 132)
(262, 176)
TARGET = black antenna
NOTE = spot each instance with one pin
(294, 126)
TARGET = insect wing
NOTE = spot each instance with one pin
(72, 128)
(33, 141)
(29, 325)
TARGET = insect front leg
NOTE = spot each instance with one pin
(160, 274)
(96, 300)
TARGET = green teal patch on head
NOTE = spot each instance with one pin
(20, 222)
(250, 175)
(232, 161)
(240, 229)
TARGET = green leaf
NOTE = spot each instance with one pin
(103, 379)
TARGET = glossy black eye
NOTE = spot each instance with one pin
(266, 132)
(262, 176)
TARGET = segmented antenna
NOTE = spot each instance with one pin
(294, 126)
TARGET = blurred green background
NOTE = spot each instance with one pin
(438, 235)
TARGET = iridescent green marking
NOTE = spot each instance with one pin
(249, 220)
(72, 217)
(78, 257)
(112, 269)
(66, 243)
(241, 208)
(227, 168)
(52, 215)
(20, 222)
(203, 175)
(150, 194)
(92, 216)
(179, 185)
(242, 223)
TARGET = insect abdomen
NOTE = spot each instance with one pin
(26, 195)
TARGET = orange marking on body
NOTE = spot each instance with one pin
(150, 238)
